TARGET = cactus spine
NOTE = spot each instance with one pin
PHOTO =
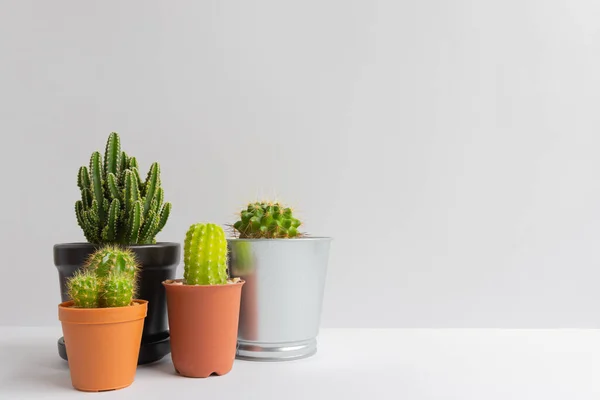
(84, 289)
(205, 255)
(108, 279)
(268, 220)
(118, 290)
(116, 206)
(112, 260)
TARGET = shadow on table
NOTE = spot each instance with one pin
(161, 367)
(33, 367)
(164, 368)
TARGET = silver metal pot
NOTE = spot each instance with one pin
(281, 301)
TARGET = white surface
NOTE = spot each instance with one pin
(350, 364)
(449, 147)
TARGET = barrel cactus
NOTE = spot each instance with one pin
(205, 255)
(112, 260)
(118, 290)
(84, 290)
(108, 279)
(116, 205)
(269, 220)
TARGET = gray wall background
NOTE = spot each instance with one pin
(450, 147)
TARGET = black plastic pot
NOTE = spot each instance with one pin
(158, 262)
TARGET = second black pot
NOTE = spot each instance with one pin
(158, 262)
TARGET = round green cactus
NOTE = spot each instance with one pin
(268, 220)
(84, 290)
(111, 260)
(118, 291)
(205, 255)
(108, 279)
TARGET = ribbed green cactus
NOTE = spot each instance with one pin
(108, 279)
(118, 290)
(112, 260)
(116, 206)
(268, 220)
(84, 290)
(205, 255)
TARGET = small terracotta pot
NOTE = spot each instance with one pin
(103, 344)
(203, 321)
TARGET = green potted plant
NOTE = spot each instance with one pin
(118, 207)
(284, 270)
(204, 307)
(102, 324)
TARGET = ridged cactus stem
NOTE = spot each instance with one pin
(109, 234)
(151, 185)
(164, 216)
(205, 255)
(96, 182)
(113, 186)
(112, 155)
(118, 291)
(84, 290)
(135, 222)
(124, 165)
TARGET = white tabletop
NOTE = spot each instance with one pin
(373, 364)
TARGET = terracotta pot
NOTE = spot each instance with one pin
(158, 262)
(103, 344)
(203, 321)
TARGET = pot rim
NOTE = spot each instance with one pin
(170, 283)
(105, 315)
(69, 304)
(82, 244)
(303, 238)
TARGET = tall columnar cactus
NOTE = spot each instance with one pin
(116, 206)
(205, 255)
(108, 279)
(267, 220)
